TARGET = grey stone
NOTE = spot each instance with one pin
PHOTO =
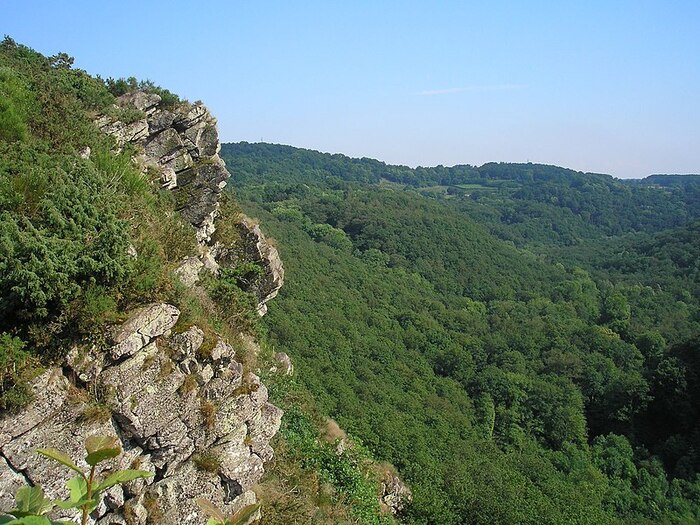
(395, 494)
(222, 350)
(144, 324)
(168, 178)
(86, 363)
(160, 119)
(64, 431)
(262, 427)
(134, 132)
(189, 115)
(141, 100)
(167, 149)
(255, 248)
(198, 190)
(49, 392)
(239, 467)
(10, 482)
(187, 343)
(142, 401)
(188, 271)
(112, 519)
(284, 363)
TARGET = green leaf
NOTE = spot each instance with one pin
(100, 448)
(61, 457)
(4, 519)
(243, 516)
(212, 521)
(122, 476)
(212, 510)
(31, 500)
(78, 489)
(33, 520)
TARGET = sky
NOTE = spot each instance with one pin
(610, 86)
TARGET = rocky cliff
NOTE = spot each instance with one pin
(184, 408)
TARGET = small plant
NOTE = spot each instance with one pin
(95, 413)
(86, 488)
(245, 516)
(153, 510)
(188, 385)
(207, 462)
(208, 411)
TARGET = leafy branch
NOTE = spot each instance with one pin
(85, 489)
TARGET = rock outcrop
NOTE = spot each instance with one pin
(395, 494)
(193, 417)
(254, 247)
(182, 144)
(169, 405)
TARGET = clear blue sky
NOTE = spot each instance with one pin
(606, 86)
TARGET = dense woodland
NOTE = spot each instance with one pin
(520, 341)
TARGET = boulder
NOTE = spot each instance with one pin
(395, 494)
(187, 343)
(284, 364)
(188, 271)
(141, 100)
(144, 325)
(49, 392)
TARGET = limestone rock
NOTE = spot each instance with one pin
(187, 343)
(10, 482)
(49, 391)
(188, 271)
(141, 100)
(284, 364)
(144, 324)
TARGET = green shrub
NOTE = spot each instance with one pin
(15, 366)
(236, 306)
(59, 230)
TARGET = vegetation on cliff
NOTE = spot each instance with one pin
(72, 214)
(87, 234)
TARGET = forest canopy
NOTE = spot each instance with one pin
(519, 340)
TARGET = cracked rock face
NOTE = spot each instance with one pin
(169, 406)
(255, 248)
(183, 144)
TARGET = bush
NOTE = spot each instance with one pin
(15, 365)
(58, 232)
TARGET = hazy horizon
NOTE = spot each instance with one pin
(597, 88)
